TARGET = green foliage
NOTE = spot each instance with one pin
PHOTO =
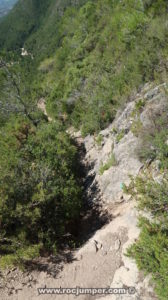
(112, 162)
(19, 89)
(5, 6)
(154, 140)
(114, 130)
(151, 195)
(20, 256)
(90, 55)
(22, 21)
(101, 59)
(99, 140)
(35, 25)
(136, 126)
(120, 135)
(39, 190)
(139, 105)
(151, 253)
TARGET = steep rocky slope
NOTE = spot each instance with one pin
(101, 261)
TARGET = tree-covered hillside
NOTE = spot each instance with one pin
(36, 23)
(107, 51)
(90, 56)
(21, 22)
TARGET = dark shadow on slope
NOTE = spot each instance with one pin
(92, 218)
(50, 264)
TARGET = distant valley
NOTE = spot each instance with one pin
(6, 6)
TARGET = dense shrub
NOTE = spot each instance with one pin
(153, 138)
(40, 195)
(151, 253)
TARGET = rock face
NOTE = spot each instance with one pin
(119, 139)
(101, 261)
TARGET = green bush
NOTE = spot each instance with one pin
(99, 140)
(153, 139)
(120, 135)
(151, 253)
(40, 194)
(112, 162)
(136, 127)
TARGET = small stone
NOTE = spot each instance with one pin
(120, 198)
(18, 287)
(25, 281)
(117, 244)
(9, 287)
(8, 272)
(14, 269)
(150, 94)
(30, 278)
(127, 197)
(10, 292)
(98, 245)
(104, 252)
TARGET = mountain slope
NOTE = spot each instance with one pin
(87, 61)
(102, 261)
(107, 51)
(36, 23)
(6, 6)
(21, 22)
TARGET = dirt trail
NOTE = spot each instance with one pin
(101, 261)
